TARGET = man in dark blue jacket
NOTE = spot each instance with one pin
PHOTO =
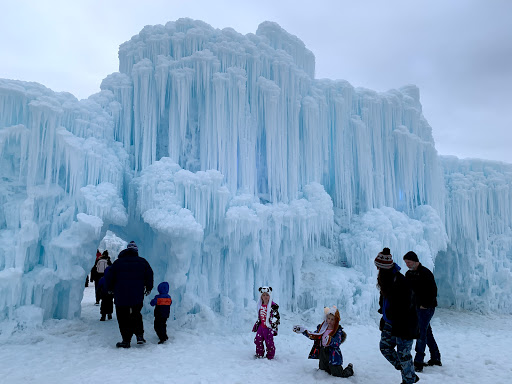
(130, 277)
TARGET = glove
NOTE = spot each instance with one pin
(274, 333)
(298, 329)
(147, 291)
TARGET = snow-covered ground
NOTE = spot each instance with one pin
(475, 349)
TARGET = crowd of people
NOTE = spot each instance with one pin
(407, 305)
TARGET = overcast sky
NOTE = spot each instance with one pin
(458, 52)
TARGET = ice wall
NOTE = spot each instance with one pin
(232, 167)
(51, 146)
(250, 108)
(476, 270)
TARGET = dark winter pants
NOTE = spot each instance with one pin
(266, 335)
(426, 336)
(401, 360)
(335, 370)
(97, 286)
(161, 327)
(107, 304)
(130, 321)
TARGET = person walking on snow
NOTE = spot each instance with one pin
(327, 340)
(425, 288)
(399, 322)
(130, 278)
(162, 303)
(267, 324)
(98, 271)
(107, 299)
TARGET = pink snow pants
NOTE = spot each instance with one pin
(265, 334)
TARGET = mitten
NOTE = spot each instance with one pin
(298, 329)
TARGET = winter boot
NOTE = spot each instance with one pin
(162, 341)
(418, 367)
(348, 371)
(416, 379)
(432, 362)
(109, 316)
(140, 339)
(123, 344)
(102, 318)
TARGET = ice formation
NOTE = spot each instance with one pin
(231, 166)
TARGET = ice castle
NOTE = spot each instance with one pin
(232, 167)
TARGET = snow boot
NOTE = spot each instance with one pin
(418, 367)
(140, 339)
(348, 371)
(123, 344)
(109, 316)
(162, 341)
(416, 379)
(432, 362)
(102, 318)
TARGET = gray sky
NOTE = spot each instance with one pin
(458, 52)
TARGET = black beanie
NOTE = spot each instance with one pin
(411, 256)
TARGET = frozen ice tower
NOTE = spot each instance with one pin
(232, 167)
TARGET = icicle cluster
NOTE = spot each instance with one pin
(476, 271)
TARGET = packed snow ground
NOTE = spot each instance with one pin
(475, 349)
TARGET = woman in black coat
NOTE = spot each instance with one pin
(399, 322)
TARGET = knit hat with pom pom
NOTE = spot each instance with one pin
(384, 259)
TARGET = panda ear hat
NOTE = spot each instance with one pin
(265, 290)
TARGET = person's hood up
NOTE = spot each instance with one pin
(163, 288)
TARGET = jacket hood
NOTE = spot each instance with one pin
(163, 288)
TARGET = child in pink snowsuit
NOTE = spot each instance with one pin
(267, 323)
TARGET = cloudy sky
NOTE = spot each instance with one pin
(458, 52)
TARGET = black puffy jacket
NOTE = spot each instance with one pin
(129, 277)
(401, 309)
(424, 286)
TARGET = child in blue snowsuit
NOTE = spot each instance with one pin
(162, 303)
